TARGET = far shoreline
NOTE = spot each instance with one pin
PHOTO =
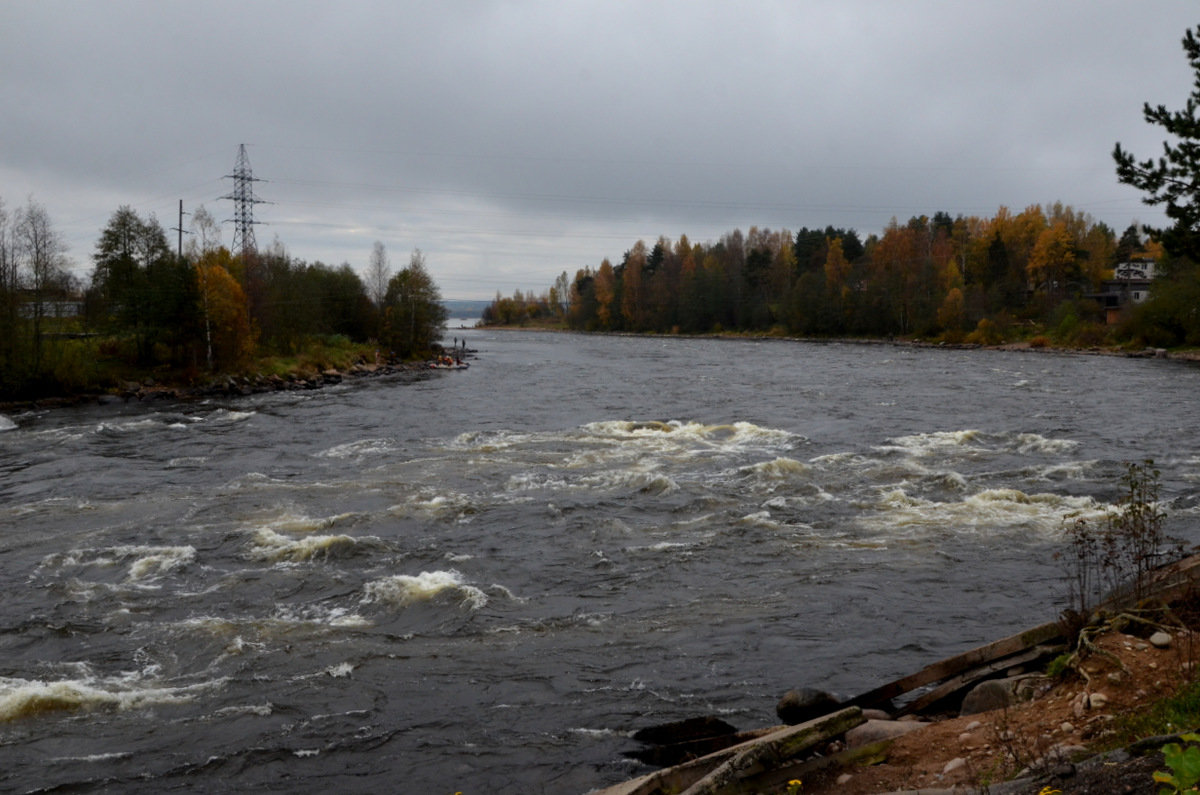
(1018, 347)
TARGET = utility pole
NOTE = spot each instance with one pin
(243, 204)
(179, 228)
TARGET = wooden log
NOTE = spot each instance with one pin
(952, 666)
(972, 676)
(776, 780)
(680, 777)
(773, 751)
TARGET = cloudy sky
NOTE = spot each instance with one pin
(511, 141)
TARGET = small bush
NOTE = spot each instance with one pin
(1116, 558)
(985, 333)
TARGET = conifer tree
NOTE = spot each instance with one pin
(1173, 179)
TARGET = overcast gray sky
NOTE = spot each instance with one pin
(511, 141)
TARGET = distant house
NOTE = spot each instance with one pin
(1130, 285)
(53, 303)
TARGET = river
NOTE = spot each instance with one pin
(483, 581)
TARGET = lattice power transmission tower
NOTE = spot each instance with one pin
(243, 204)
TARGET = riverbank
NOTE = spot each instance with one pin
(1020, 715)
(240, 385)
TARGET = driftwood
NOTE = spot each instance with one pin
(776, 747)
(953, 666)
(774, 750)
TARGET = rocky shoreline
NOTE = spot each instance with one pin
(149, 390)
(991, 719)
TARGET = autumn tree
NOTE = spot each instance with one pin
(1052, 260)
(229, 340)
(605, 286)
(634, 311)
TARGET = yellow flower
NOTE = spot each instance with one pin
(1047, 790)
(794, 786)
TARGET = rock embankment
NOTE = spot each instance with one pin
(244, 385)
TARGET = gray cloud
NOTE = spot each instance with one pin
(513, 140)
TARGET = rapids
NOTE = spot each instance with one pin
(484, 581)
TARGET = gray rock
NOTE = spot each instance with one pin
(999, 693)
(986, 696)
(875, 730)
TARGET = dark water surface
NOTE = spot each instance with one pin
(483, 581)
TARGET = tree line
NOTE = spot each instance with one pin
(951, 278)
(149, 309)
(964, 278)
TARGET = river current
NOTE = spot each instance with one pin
(484, 581)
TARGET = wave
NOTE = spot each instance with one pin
(730, 434)
(142, 562)
(270, 546)
(25, 698)
(250, 633)
(438, 505)
(359, 449)
(895, 510)
(6, 424)
(943, 442)
(403, 590)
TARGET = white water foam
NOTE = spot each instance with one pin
(402, 590)
(360, 449)
(897, 513)
(6, 424)
(23, 698)
(143, 562)
(267, 545)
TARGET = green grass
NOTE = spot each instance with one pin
(1174, 714)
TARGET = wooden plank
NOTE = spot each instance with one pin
(952, 666)
(968, 678)
(681, 776)
(773, 751)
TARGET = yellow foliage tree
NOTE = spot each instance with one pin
(952, 314)
(606, 293)
(229, 337)
(1052, 261)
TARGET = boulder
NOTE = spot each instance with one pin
(803, 704)
(1000, 693)
(683, 730)
(874, 731)
(670, 744)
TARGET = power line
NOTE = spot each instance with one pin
(243, 204)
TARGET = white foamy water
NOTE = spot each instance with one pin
(272, 546)
(140, 563)
(402, 590)
(25, 698)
